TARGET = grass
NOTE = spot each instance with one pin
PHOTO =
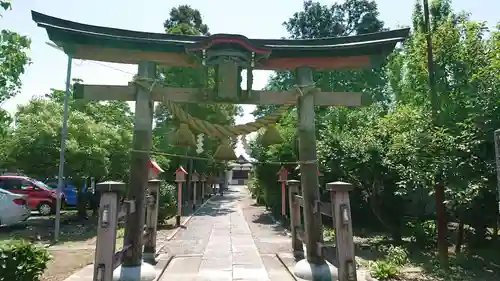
(40, 230)
(470, 265)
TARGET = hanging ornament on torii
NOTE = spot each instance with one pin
(199, 143)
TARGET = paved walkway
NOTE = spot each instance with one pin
(218, 245)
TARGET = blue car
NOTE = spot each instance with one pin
(70, 193)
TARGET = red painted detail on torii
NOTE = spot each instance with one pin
(228, 40)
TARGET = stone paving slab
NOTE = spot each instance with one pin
(182, 269)
(185, 268)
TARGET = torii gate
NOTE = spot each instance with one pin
(228, 54)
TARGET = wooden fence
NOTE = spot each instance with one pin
(341, 252)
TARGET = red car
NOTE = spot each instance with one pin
(40, 196)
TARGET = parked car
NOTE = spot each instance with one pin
(39, 196)
(70, 193)
(13, 208)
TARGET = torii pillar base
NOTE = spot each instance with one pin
(144, 272)
(315, 272)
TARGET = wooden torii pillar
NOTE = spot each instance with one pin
(139, 169)
(228, 54)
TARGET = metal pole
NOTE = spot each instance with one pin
(64, 136)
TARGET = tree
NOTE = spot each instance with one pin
(35, 141)
(5, 4)
(116, 114)
(186, 20)
(391, 149)
(464, 166)
(98, 144)
(13, 59)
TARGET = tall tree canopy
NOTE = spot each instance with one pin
(13, 59)
(390, 148)
(98, 145)
(185, 20)
(13, 62)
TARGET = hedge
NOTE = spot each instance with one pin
(167, 205)
(22, 261)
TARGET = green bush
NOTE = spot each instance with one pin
(167, 205)
(390, 267)
(22, 261)
(397, 256)
(424, 233)
(256, 190)
(329, 235)
(384, 270)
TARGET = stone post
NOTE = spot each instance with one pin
(106, 229)
(195, 194)
(297, 247)
(341, 209)
(195, 178)
(151, 221)
(203, 190)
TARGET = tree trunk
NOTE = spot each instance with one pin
(494, 237)
(460, 237)
(495, 231)
(374, 204)
(441, 226)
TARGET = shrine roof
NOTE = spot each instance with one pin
(99, 43)
(155, 166)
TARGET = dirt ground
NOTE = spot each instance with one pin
(65, 262)
(76, 245)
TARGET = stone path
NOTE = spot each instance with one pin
(218, 244)
(86, 273)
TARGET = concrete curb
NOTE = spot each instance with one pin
(286, 267)
(163, 263)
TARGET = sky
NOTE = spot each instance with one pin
(254, 19)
